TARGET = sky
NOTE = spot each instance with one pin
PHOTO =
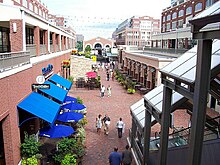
(100, 18)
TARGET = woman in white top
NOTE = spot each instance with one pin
(120, 126)
(99, 123)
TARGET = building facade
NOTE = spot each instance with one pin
(137, 31)
(175, 27)
(29, 46)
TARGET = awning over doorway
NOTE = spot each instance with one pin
(55, 92)
(40, 106)
(56, 79)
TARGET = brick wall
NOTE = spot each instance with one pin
(16, 36)
(14, 89)
(37, 39)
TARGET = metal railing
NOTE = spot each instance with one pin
(13, 59)
(43, 49)
(51, 48)
(32, 49)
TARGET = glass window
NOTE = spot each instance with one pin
(174, 25)
(180, 23)
(41, 37)
(4, 40)
(40, 12)
(36, 9)
(164, 18)
(25, 3)
(168, 26)
(189, 10)
(174, 15)
(198, 7)
(208, 3)
(31, 7)
(181, 13)
(168, 17)
(29, 36)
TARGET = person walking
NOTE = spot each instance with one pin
(99, 123)
(115, 157)
(106, 122)
(102, 91)
(120, 126)
(126, 156)
(109, 90)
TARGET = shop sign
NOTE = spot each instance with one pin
(40, 86)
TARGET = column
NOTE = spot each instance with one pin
(165, 123)
(16, 35)
(46, 38)
(37, 39)
(54, 42)
(203, 66)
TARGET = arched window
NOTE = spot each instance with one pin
(198, 7)
(168, 17)
(189, 10)
(181, 13)
(174, 15)
(31, 7)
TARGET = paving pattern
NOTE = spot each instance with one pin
(98, 147)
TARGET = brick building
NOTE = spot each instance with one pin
(29, 43)
(137, 31)
(175, 27)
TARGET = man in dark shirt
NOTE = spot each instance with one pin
(127, 156)
(115, 157)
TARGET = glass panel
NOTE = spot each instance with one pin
(176, 97)
(184, 67)
(188, 10)
(159, 106)
(154, 92)
(191, 74)
(186, 56)
(137, 104)
(198, 7)
(215, 60)
(181, 13)
(174, 15)
(157, 99)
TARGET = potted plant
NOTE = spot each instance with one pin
(130, 91)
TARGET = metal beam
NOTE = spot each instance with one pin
(200, 101)
(147, 133)
(165, 123)
(206, 35)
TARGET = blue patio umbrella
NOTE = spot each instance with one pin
(70, 117)
(70, 99)
(56, 131)
(73, 106)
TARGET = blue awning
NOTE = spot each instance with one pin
(61, 81)
(40, 106)
(70, 99)
(55, 92)
(70, 117)
(73, 106)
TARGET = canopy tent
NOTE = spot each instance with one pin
(91, 74)
(70, 99)
(70, 117)
(40, 106)
(55, 92)
(56, 131)
(56, 79)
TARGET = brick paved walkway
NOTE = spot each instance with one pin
(98, 147)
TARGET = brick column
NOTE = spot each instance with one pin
(46, 40)
(37, 39)
(63, 42)
(59, 44)
(16, 35)
(54, 42)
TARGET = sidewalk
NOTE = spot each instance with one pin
(98, 147)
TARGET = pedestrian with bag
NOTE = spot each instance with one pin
(99, 123)
(106, 122)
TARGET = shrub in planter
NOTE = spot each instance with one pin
(69, 159)
(79, 100)
(29, 161)
(30, 146)
(131, 91)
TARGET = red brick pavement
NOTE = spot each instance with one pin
(98, 147)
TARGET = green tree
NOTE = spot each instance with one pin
(88, 48)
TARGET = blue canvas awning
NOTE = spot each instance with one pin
(70, 117)
(61, 81)
(40, 106)
(55, 92)
(70, 99)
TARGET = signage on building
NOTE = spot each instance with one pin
(40, 79)
(94, 58)
(40, 86)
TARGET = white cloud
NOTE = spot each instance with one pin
(94, 18)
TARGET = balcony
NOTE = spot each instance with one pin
(13, 59)
(32, 49)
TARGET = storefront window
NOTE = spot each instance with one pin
(189, 10)
(29, 36)
(4, 40)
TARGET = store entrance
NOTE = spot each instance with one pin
(2, 154)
